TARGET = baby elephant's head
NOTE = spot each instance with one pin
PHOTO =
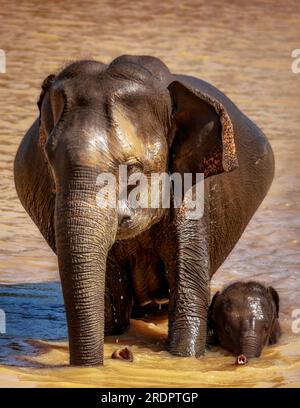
(244, 318)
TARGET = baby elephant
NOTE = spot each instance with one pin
(244, 318)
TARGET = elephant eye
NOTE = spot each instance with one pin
(135, 167)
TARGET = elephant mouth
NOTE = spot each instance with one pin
(140, 221)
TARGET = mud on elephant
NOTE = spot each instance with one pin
(135, 112)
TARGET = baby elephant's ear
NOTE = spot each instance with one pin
(212, 338)
(211, 307)
(275, 297)
(213, 301)
(201, 138)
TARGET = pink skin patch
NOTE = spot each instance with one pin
(241, 359)
(123, 354)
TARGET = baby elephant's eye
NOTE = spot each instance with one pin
(228, 328)
(265, 328)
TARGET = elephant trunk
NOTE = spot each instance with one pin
(250, 347)
(84, 235)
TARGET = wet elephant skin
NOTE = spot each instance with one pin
(135, 112)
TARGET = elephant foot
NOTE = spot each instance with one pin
(123, 354)
(186, 346)
(184, 352)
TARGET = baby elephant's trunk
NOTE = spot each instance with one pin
(241, 359)
(250, 347)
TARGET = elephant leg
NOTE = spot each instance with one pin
(190, 290)
(118, 298)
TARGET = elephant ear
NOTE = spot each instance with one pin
(44, 103)
(201, 138)
(275, 297)
(44, 89)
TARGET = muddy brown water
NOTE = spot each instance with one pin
(244, 48)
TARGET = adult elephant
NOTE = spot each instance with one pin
(134, 112)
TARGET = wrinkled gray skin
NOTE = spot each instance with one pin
(244, 318)
(94, 117)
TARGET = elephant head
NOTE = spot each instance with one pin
(94, 118)
(244, 318)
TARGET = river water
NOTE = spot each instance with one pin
(244, 48)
